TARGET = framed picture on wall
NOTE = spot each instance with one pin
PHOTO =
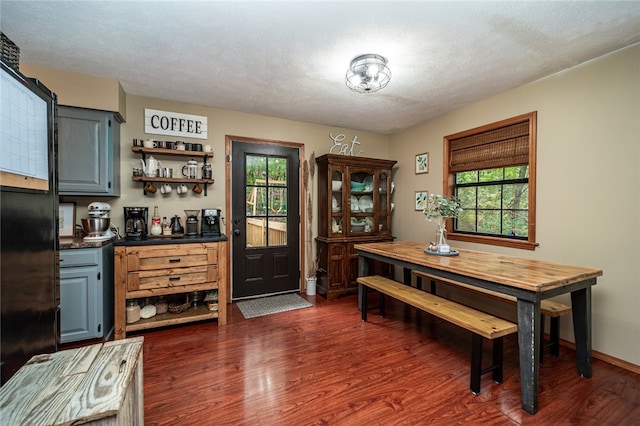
(67, 219)
(422, 163)
(421, 200)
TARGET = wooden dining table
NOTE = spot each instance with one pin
(529, 280)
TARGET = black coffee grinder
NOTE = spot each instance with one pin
(210, 224)
(191, 226)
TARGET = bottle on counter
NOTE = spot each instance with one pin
(156, 227)
(166, 227)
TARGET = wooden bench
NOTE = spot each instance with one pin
(481, 324)
(548, 308)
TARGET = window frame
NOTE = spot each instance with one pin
(449, 183)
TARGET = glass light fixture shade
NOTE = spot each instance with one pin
(368, 73)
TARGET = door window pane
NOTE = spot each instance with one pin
(266, 205)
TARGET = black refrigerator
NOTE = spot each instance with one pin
(29, 272)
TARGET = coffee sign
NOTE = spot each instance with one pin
(175, 124)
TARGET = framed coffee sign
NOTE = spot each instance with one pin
(175, 124)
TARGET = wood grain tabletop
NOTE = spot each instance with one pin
(528, 274)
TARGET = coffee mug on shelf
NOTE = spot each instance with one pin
(166, 188)
(149, 143)
(149, 187)
(207, 148)
(196, 188)
(179, 145)
(138, 142)
(182, 189)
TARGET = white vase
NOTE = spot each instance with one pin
(311, 285)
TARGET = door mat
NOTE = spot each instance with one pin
(272, 305)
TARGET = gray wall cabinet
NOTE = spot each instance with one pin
(86, 293)
(88, 152)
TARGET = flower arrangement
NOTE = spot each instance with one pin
(438, 209)
(441, 207)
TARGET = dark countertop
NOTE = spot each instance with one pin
(169, 240)
(80, 243)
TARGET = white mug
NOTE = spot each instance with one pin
(166, 188)
(182, 189)
(179, 146)
(149, 143)
(207, 148)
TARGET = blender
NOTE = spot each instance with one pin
(191, 226)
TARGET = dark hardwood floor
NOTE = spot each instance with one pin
(324, 366)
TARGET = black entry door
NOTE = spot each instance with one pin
(265, 219)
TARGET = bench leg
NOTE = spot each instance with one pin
(497, 359)
(542, 346)
(363, 293)
(555, 336)
(381, 304)
(476, 363)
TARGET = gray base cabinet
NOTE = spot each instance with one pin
(86, 293)
(88, 152)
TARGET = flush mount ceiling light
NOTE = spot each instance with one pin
(368, 73)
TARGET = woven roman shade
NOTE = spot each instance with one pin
(500, 147)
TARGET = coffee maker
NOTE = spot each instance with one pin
(210, 223)
(135, 219)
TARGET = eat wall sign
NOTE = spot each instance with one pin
(174, 124)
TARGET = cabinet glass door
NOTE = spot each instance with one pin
(337, 202)
(361, 202)
(383, 191)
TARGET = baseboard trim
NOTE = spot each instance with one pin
(606, 358)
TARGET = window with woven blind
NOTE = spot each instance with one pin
(491, 169)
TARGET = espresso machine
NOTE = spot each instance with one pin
(136, 219)
(210, 223)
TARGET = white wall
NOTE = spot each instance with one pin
(588, 195)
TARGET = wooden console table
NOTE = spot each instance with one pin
(530, 281)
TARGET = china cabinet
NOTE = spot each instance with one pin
(172, 269)
(179, 179)
(354, 206)
(88, 152)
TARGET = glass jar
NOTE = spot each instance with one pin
(161, 305)
(132, 311)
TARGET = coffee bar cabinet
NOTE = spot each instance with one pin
(354, 206)
(88, 152)
(175, 270)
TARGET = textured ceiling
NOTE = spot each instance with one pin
(288, 59)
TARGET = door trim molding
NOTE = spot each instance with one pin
(228, 185)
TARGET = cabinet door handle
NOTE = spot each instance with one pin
(174, 260)
(174, 278)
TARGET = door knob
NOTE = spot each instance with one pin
(236, 232)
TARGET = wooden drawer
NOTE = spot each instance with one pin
(172, 278)
(171, 256)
